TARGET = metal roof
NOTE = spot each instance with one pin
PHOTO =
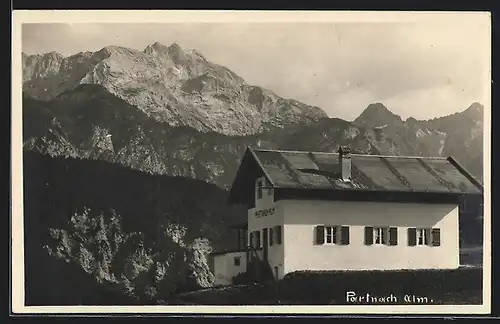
(321, 170)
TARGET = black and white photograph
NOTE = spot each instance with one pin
(218, 162)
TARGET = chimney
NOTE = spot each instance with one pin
(345, 162)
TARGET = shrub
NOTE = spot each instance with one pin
(242, 279)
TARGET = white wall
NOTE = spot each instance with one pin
(275, 252)
(301, 252)
(224, 268)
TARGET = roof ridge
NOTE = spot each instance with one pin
(355, 154)
(405, 156)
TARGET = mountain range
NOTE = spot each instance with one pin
(177, 119)
(169, 84)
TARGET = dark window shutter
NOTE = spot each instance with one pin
(393, 236)
(344, 235)
(278, 234)
(368, 235)
(257, 234)
(320, 234)
(436, 237)
(385, 235)
(412, 236)
(271, 236)
(428, 236)
(252, 242)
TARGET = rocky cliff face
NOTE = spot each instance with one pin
(170, 84)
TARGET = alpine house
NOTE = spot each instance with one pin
(343, 211)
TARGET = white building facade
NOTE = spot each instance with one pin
(337, 235)
(227, 265)
(340, 235)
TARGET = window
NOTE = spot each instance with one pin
(275, 235)
(259, 189)
(381, 235)
(237, 261)
(329, 234)
(269, 187)
(255, 239)
(424, 236)
(279, 234)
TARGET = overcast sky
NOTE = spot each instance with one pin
(424, 70)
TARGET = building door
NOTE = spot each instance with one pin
(265, 242)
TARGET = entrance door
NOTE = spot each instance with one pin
(265, 240)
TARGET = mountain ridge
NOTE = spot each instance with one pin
(171, 85)
(90, 122)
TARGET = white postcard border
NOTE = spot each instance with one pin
(199, 16)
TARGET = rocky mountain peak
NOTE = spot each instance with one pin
(171, 85)
(174, 47)
(377, 115)
(40, 66)
(475, 111)
(178, 55)
(174, 51)
(156, 47)
(411, 120)
(114, 50)
(376, 109)
(53, 56)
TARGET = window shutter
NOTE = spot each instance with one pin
(278, 234)
(320, 234)
(428, 236)
(271, 236)
(436, 237)
(252, 243)
(257, 234)
(385, 235)
(344, 235)
(368, 235)
(393, 236)
(412, 236)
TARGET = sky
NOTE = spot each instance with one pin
(423, 69)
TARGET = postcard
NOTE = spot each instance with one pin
(273, 162)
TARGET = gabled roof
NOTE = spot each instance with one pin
(370, 173)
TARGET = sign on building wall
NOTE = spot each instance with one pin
(264, 212)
